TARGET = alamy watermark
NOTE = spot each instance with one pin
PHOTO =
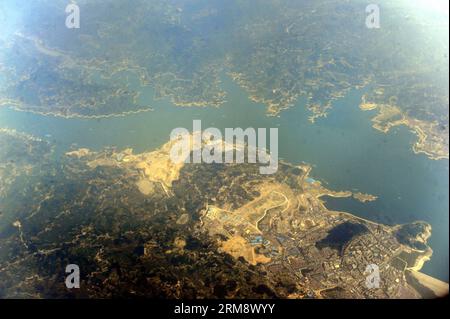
(73, 279)
(73, 18)
(235, 146)
(373, 16)
(373, 277)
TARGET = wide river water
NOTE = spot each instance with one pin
(344, 149)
